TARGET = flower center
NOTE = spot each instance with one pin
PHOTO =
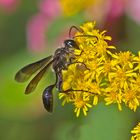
(79, 103)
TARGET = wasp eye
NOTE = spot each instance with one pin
(48, 98)
(70, 43)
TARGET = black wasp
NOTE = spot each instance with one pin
(61, 59)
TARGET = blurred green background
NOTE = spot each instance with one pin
(23, 116)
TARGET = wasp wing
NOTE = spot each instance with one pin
(26, 72)
(34, 82)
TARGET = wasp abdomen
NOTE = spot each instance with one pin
(48, 98)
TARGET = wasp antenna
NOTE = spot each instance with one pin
(73, 27)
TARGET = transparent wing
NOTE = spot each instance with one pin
(34, 82)
(26, 72)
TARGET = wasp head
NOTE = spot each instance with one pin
(70, 43)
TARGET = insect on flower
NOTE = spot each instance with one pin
(62, 58)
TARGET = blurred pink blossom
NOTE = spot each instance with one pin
(9, 5)
(115, 8)
(36, 32)
(114, 19)
(133, 10)
(39, 23)
(50, 8)
(119, 7)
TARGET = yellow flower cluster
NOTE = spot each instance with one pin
(136, 132)
(72, 7)
(98, 72)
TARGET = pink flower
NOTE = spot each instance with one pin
(133, 10)
(50, 8)
(9, 5)
(38, 24)
(119, 7)
(36, 32)
(116, 8)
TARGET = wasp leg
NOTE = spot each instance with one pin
(80, 63)
(71, 90)
(59, 81)
(47, 98)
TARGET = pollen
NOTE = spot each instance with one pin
(120, 74)
(79, 103)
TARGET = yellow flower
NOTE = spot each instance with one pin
(71, 7)
(97, 73)
(113, 95)
(131, 97)
(67, 97)
(136, 82)
(95, 89)
(123, 69)
(122, 75)
(81, 102)
(137, 61)
(136, 132)
(107, 66)
(95, 42)
(94, 67)
(125, 59)
(72, 75)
